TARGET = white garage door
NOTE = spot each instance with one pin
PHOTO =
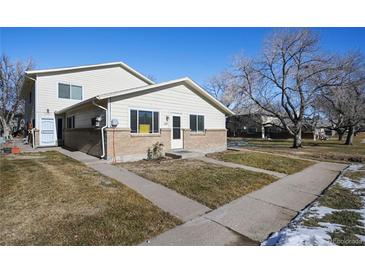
(47, 131)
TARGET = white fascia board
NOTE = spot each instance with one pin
(121, 64)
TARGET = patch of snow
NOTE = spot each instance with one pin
(319, 211)
(347, 183)
(361, 237)
(354, 167)
(300, 236)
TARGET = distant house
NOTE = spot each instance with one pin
(112, 111)
(258, 125)
(255, 125)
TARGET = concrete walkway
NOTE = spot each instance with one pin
(253, 217)
(198, 232)
(234, 165)
(168, 200)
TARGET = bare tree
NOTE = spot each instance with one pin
(345, 105)
(287, 77)
(224, 88)
(11, 80)
(332, 111)
(151, 77)
(355, 96)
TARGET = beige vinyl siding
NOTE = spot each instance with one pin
(179, 100)
(93, 82)
(83, 116)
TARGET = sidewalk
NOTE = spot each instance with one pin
(258, 214)
(168, 200)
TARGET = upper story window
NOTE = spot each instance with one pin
(68, 91)
(196, 123)
(143, 121)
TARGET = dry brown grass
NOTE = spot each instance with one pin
(55, 200)
(330, 150)
(263, 160)
(339, 197)
(207, 183)
(355, 175)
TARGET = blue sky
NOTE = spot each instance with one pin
(164, 53)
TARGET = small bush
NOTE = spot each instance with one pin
(155, 152)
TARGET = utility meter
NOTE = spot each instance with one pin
(98, 121)
(114, 122)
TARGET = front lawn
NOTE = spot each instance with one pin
(329, 150)
(212, 185)
(50, 199)
(262, 160)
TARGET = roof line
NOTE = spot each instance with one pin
(121, 64)
(172, 83)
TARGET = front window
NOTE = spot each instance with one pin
(67, 91)
(143, 121)
(196, 123)
(251, 130)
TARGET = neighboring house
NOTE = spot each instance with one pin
(257, 125)
(79, 106)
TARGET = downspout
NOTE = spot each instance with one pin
(102, 129)
(33, 137)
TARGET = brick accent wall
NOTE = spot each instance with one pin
(132, 147)
(87, 140)
(212, 140)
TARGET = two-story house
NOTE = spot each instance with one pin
(112, 111)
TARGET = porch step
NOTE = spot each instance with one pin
(184, 154)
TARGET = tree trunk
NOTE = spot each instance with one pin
(297, 140)
(340, 135)
(350, 136)
(5, 127)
